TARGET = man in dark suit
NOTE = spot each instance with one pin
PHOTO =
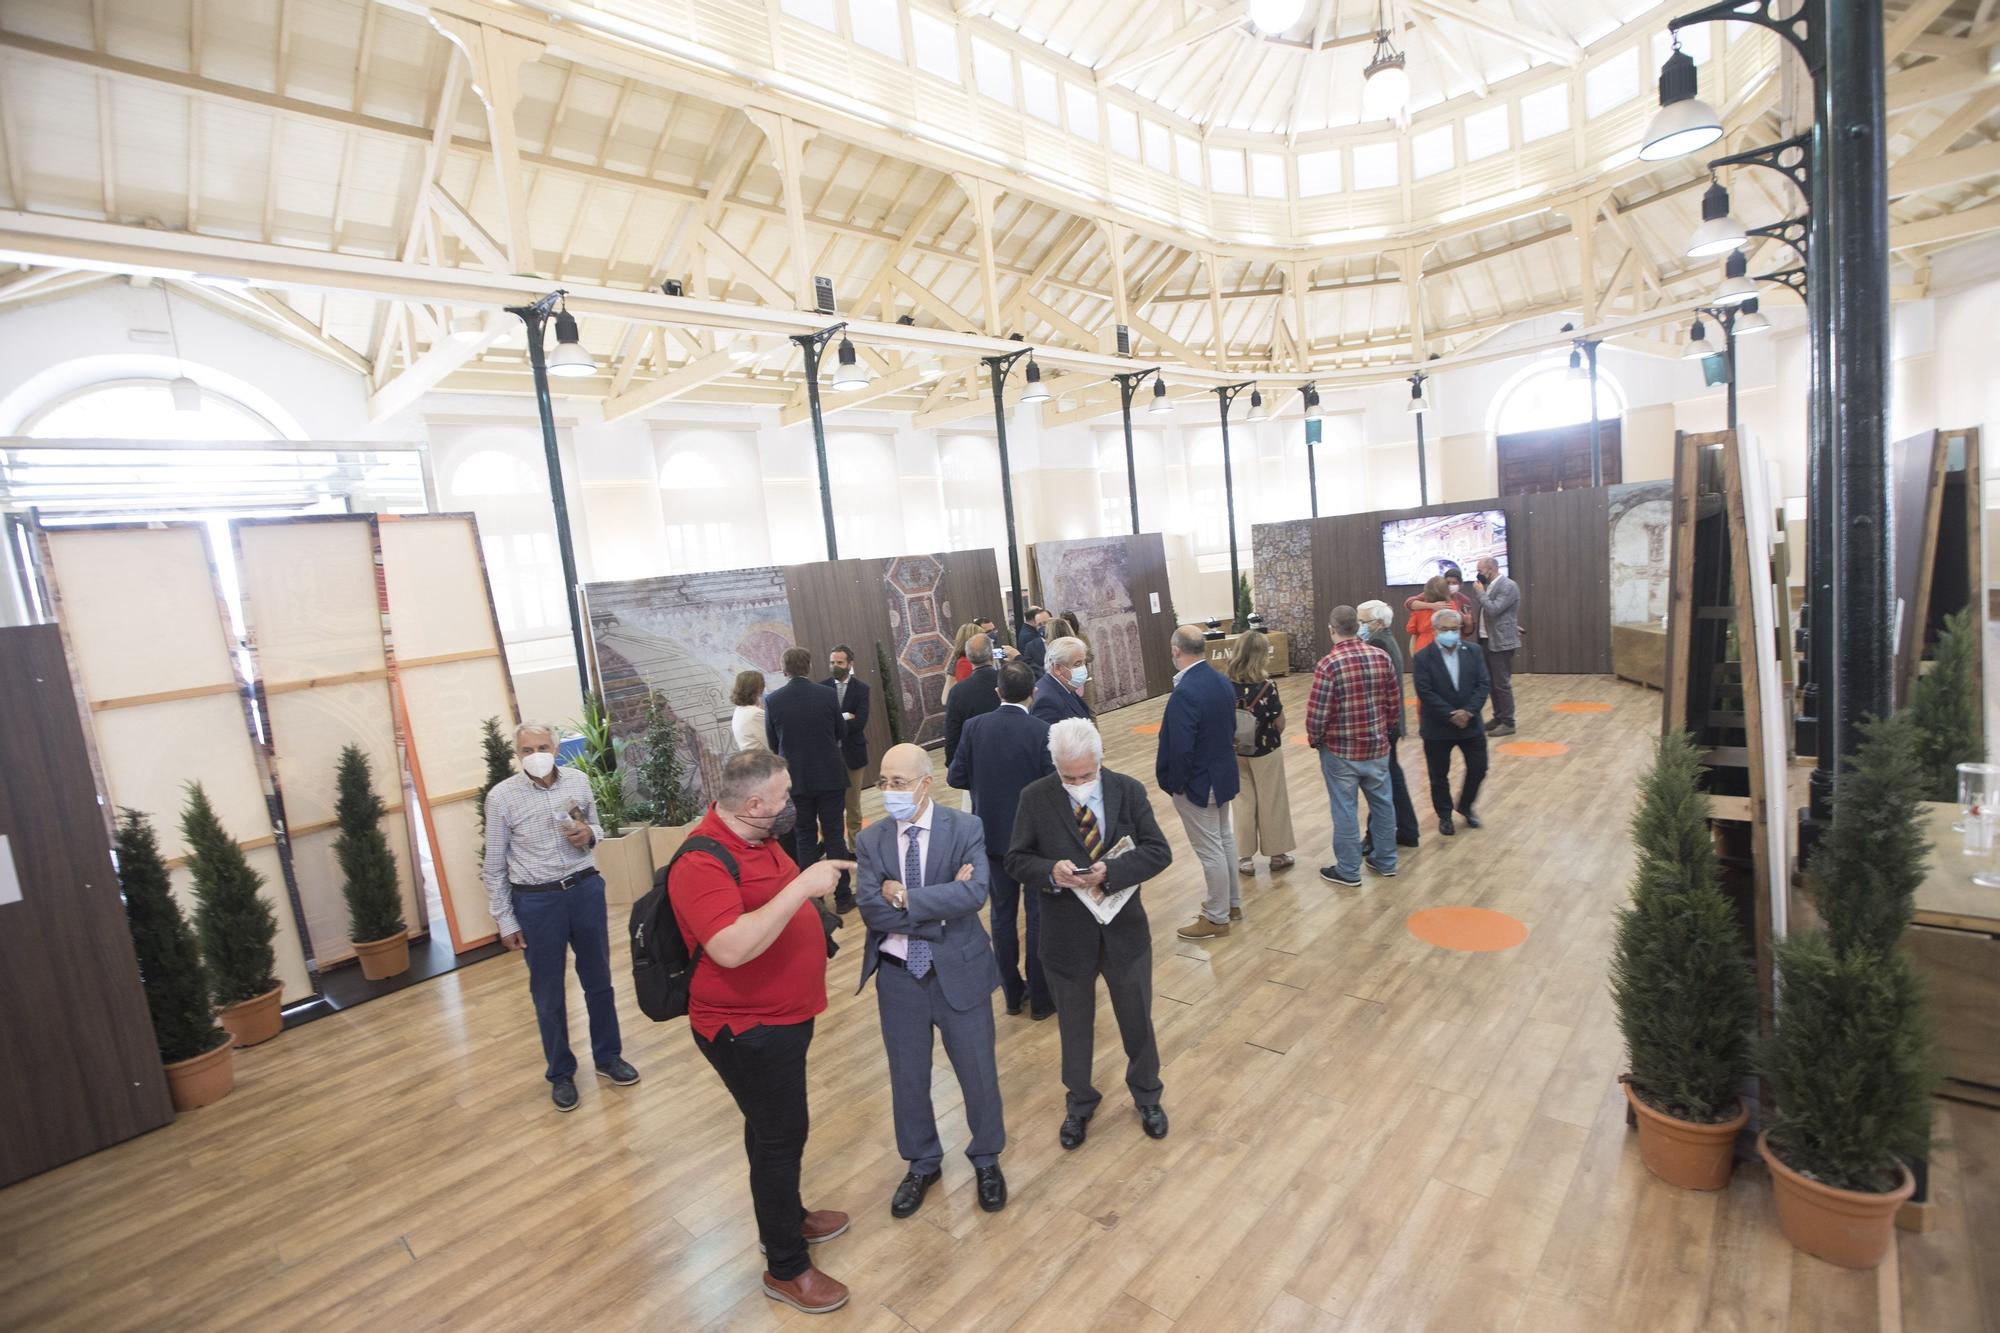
(802, 723)
(999, 754)
(1452, 684)
(922, 882)
(1031, 641)
(1059, 695)
(851, 693)
(972, 696)
(1066, 826)
(1196, 765)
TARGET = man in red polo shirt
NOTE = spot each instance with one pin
(760, 981)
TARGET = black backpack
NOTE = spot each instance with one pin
(662, 966)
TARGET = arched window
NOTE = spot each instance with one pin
(1541, 427)
(149, 409)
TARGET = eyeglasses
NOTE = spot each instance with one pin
(901, 784)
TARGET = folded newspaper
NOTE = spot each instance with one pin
(1107, 907)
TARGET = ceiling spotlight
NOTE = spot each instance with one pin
(1577, 370)
(1419, 400)
(1736, 288)
(1276, 16)
(186, 394)
(1160, 403)
(1684, 122)
(1256, 405)
(1698, 345)
(1385, 83)
(1750, 320)
(848, 372)
(569, 360)
(1034, 391)
(1718, 233)
(1312, 403)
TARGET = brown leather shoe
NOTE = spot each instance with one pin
(811, 1291)
(823, 1225)
(1201, 928)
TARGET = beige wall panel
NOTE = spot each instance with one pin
(455, 833)
(447, 703)
(310, 592)
(1468, 467)
(1646, 443)
(438, 599)
(139, 611)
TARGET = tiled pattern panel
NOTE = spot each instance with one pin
(920, 641)
(1282, 591)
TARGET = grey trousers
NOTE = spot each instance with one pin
(1500, 666)
(1075, 952)
(911, 1008)
(1211, 833)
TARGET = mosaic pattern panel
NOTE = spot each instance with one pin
(1092, 577)
(920, 629)
(685, 636)
(1281, 570)
(1641, 519)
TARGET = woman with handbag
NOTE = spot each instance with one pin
(1263, 808)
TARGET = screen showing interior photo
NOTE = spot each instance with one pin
(1414, 549)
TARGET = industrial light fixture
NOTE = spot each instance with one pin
(1034, 391)
(1419, 400)
(1684, 122)
(569, 360)
(1577, 370)
(1718, 233)
(1385, 83)
(1698, 345)
(1256, 405)
(1736, 286)
(1275, 16)
(848, 372)
(1160, 403)
(1750, 320)
(1312, 403)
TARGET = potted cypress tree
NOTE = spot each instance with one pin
(622, 856)
(368, 873)
(1686, 994)
(235, 925)
(669, 809)
(197, 1052)
(498, 755)
(1944, 710)
(1853, 1061)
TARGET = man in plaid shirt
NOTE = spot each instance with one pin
(1355, 695)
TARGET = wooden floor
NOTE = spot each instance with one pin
(1369, 1133)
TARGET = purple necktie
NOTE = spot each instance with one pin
(919, 956)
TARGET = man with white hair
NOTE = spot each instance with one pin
(1059, 693)
(1378, 629)
(547, 899)
(1452, 685)
(1082, 835)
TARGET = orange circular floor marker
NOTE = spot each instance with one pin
(1299, 738)
(1146, 729)
(1574, 706)
(1533, 749)
(1466, 929)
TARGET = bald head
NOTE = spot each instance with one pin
(905, 769)
(1188, 646)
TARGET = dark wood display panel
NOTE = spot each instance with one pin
(1557, 460)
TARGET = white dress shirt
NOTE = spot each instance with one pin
(899, 945)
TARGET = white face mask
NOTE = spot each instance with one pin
(1079, 677)
(538, 765)
(1081, 792)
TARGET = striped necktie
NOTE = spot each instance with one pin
(1086, 828)
(918, 959)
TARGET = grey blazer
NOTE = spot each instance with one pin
(1500, 611)
(943, 910)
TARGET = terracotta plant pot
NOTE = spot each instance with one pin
(1845, 1227)
(254, 1020)
(1683, 1152)
(204, 1078)
(384, 958)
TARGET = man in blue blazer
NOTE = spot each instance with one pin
(851, 693)
(802, 723)
(1059, 696)
(922, 877)
(1452, 684)
(999, 753)
(1196, 766)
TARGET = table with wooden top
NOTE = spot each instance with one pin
(1222, 649)
(1956, 943)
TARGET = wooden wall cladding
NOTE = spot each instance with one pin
(1147, 554)
(841, 601)
(73, 1018)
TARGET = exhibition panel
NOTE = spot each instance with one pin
(1109, 584)
(150, 646)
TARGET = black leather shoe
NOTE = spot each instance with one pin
(1014, 1007)
(992, 1187)
(1406, 842)
(843, 904)
(619, 1072)
(1444, 827)
(1075, 1128)
(910, 1194)
(1154, 1118)
(1039, 1014)
(1471, 820)
(563, 1093)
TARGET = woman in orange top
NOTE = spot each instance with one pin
(1433, 599)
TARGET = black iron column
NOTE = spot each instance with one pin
(536, 318)
(1128, 385)
(1596, 448)
(1225, 395)
(998, 366)
(1311, 395)
(812, 344)
(1423, 471)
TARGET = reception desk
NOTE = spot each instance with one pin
(1639, 654)
(1955, 941)
(1222, 649)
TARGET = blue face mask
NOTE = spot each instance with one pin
(1447, 638)
(1077, 677)
(1364, 632)
(900, 805)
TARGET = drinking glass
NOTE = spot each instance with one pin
(1979, 818)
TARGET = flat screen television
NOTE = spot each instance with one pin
(1415, 549)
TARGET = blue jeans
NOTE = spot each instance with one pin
(1344, 777)
(554, 922)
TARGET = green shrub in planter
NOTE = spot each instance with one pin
(367, 866)
(1944, 711)
(498, 752)
(1863, 877)
(663, 792)
(170, 968)
(236, 926)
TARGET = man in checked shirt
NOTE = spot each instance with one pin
(547, 897)
(1355, 697)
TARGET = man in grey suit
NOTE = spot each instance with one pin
(1499, 601)
(1064, 830)
(922, 880)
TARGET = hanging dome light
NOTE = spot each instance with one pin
(1256, 405)
(1718, 233)
(1312, 403)
(569, 360)
(1750, 320)
(1035, 391)
(1698, 345)
(1160, 403)
(848, 372)
(1577, 370)
(1419, 400)
(1385, 83)
(1272, 17)
(1684, 122)
(1736, 288)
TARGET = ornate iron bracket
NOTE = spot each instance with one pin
(1801, 29)
(1790, 158)
(1794, 278)
(1792, 231)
